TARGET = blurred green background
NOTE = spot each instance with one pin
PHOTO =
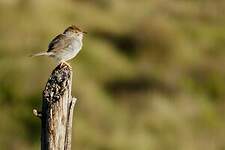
(150, 75)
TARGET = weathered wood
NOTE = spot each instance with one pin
(57, 110)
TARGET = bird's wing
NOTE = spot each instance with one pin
(59, 42)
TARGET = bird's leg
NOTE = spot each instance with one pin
(67, 64)
(61, 62)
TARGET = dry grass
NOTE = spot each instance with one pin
(150, 76)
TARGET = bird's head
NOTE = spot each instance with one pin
(74, 31)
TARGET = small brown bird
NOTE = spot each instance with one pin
(65, 46)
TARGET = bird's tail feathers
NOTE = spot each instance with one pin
(40, 54)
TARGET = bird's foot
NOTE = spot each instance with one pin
(67, 64)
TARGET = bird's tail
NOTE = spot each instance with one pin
(40, 54)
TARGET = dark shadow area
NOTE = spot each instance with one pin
(139, 85)
(125, 43)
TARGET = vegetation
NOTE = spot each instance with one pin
(150, 75)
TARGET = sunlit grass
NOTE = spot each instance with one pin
(159, 85)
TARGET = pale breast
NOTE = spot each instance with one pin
(71, 51)
(76, 45)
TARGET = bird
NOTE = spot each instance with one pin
(65, 46)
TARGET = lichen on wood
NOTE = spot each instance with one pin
(57, 110)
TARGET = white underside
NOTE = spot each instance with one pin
(69, 52)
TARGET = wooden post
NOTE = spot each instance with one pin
(57, 110)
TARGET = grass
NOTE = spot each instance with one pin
(150, 74)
